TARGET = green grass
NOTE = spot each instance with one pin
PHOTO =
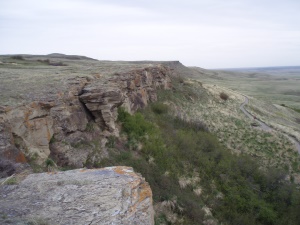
(173, 148)
(11, 181)
(295, 109)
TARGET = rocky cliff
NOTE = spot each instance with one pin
(72, 124)
(113, 195)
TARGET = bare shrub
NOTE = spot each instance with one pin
(47, 61)
(195, 125)
(224, 96)
(57, 64)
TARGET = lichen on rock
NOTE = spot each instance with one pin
(112, 195)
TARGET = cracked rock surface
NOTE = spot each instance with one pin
(111, 195)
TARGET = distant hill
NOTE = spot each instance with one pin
(63, 56)
(53, 55)
(275, 71)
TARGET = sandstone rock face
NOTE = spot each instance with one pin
(112, 195)
(27, 130)
(133, 90)
(31, 127)
(73, 127)
(12, 159)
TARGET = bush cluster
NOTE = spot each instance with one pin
(48, 62)
(177, 148)
(17, 57)
(159, 108)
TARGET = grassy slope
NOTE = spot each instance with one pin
(194, 178)
(276, 86)
(195, 101)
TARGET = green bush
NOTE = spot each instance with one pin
(49, 162)
(135, 126)
(159, 108)
(111, 142)
(251, 195)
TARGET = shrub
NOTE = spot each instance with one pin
(90, 126)
(17, 57)
(111, 141)
(159, 108)
(224, 96)
(57, 64)
(135, 126)
(48, 62)
(49, 162)
(251, 196)
(52, 140)
(194, 125)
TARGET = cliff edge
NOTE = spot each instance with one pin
(71, 123)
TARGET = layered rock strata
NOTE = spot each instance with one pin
(73, 128)
(112, 195)
(133, 90)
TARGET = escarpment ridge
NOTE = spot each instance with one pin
(71, 122)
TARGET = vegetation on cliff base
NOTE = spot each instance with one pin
(178, 158)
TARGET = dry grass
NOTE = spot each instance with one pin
(234, 130)
(37, 79)
(279, 87)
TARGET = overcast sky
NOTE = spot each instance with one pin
(205, 33)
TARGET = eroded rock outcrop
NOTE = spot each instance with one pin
(112, 195)
(133, 90)
(12, 159)
(73, 127)
(26, 131)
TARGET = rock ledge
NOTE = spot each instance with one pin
(111, 195)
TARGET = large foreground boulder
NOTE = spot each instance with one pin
(112, 195)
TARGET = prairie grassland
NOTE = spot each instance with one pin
(275, 85)
(194, 101)
(23, 81)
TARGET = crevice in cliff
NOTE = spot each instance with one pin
(88, 113)
(101, 121)
(19, 143)
(39, 117)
